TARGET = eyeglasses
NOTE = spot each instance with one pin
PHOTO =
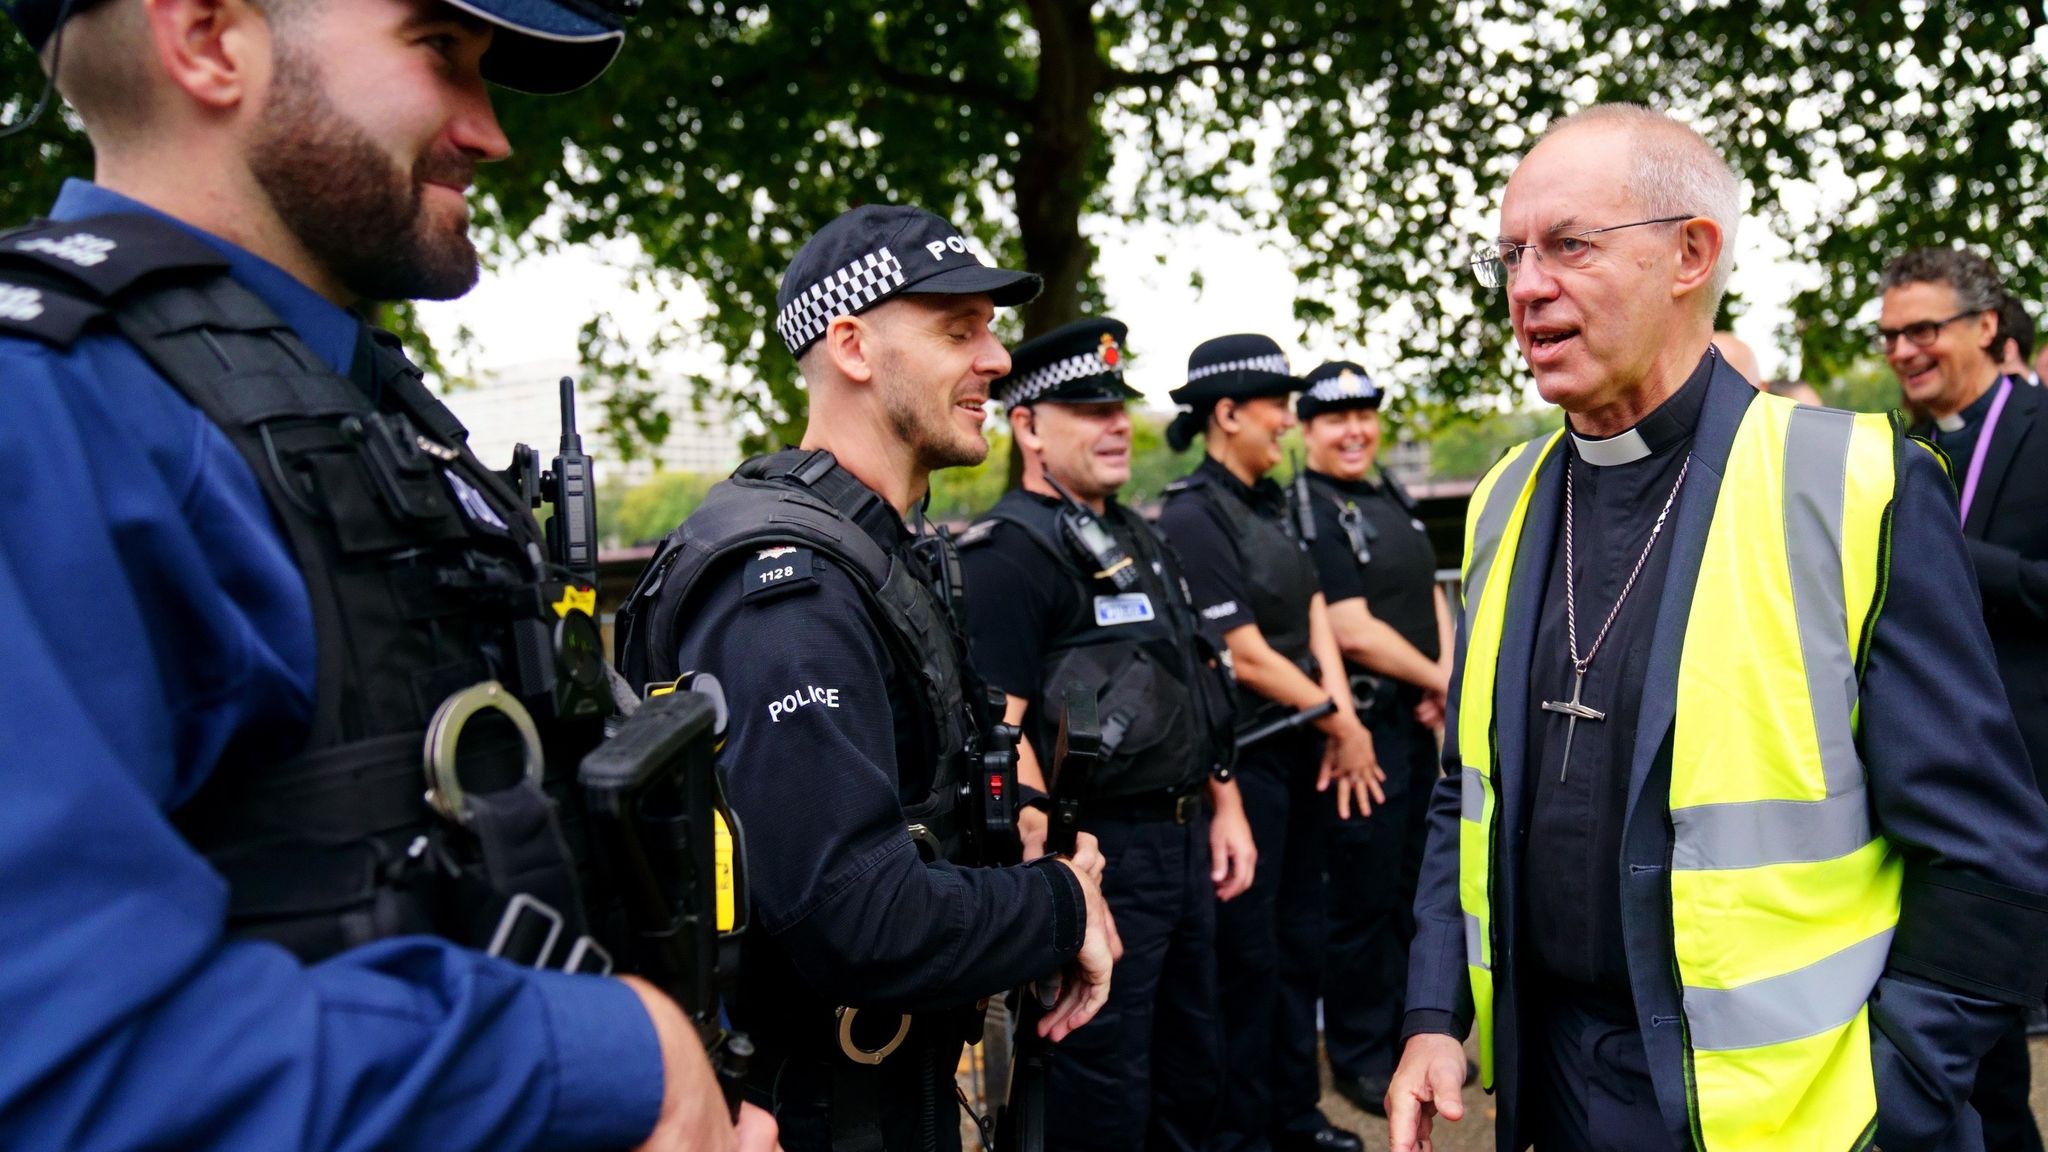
(1920, 333)
(1496, 261)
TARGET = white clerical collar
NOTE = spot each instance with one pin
(1626, 448)
(1953, 422)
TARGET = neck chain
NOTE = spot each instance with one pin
(1571, 615)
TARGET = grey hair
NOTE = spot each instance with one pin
(1673, 171)
(1976, 283)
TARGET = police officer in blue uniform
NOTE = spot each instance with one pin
(855, 724)
(1068, 586)
(1378, 571)
(248, 562)
(1253, 580)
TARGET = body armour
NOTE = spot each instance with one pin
(428, 587)
(1279, 576)
(805, 499)
(1164, 701)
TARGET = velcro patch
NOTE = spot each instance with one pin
(779, 571)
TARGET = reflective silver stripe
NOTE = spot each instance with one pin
(1816, 474)
(1473, 955)
(1493, 519)
(1472, 795)
(1770, 832)
(1805, 1002)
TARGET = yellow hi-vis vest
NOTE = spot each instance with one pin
(1783, 896)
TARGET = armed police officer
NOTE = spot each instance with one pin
(853, 725)
(1068, 586)
(1378, 572)
(1254, 581)
(250, 564)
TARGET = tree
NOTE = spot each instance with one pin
(1377, 138)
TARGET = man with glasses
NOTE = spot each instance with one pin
(1737, 845)
(1943, 330)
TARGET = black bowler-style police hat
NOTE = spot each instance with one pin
(875, 253)
(1235, 368)
(541, 46)
(1337, 386)
(1079, 363)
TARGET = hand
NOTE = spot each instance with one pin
(1233, 857)
(693, 1110)
(1086, 985)
(1032, 825)
(1430, 712)
(1349, 762)
(757, 1131)
(1430, 1082)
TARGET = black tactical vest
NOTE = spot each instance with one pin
(1279, 576)
(426, 577)
(804, 498)
(1164, 706)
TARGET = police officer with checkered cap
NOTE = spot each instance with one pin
(1378, 571)
(807, 585)
(1068, 585)
(262, 564)
(1254, 581)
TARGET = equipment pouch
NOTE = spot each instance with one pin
(1149, 742)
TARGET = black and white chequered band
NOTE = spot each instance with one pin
(1344, 386)
(840, 293)
(1271, 363)
(1037, 382)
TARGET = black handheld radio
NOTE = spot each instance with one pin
(1085, 534)
(570, 487)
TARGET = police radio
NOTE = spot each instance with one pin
(1087, 537)
(1304, 507)
(568, 485)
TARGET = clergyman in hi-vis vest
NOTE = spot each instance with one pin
(1738, 847)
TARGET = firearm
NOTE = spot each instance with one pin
(672, 850)
(1021, 1126)
(1253, 733)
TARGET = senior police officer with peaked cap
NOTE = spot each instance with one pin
(1066, 585)
(1253, 581)
(1378, 571)
(252, 559)
(854, 714)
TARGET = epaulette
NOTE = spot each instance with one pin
(1184, 484)
(56, 277)
(977, 533)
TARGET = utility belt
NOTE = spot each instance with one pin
(1180, 808)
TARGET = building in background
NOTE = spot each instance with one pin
(521, 404)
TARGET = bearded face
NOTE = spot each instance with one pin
(361, 206)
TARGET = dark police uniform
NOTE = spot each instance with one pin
(1145, 1073)
(248, 558)
(1368, 543)
(1246, 564)
(801, 590)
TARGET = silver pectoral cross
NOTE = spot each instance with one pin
(1577, 711)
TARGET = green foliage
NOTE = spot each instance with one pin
(732, 129)
(1866, 385)
(647, 512)
(1464, 448)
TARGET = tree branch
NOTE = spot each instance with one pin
(1115, 78)
(929, 84)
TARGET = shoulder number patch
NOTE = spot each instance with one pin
(1124, 608)
(777, 571)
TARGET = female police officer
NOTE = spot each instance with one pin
(1253, 580)
(1393, 625)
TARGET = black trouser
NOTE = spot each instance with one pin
(1147, 1071)
(1374, 866)
(2000, 1098)
(1590, 1090)
(907, 1102)
(1269, 950)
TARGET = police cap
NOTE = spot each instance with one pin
(1234, 368)
(1336, 386)
(1080, 363)
(875, 253)
(540, 46)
